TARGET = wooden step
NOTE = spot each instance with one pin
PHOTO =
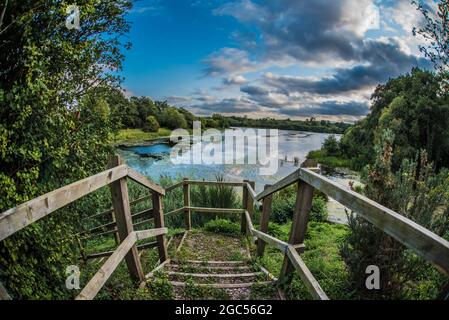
(224, 285)
(215, 275)
(213, 267)
(211, 262)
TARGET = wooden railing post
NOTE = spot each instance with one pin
(264, 220)
(122, 212)
(248, 204)
(245, 197)
(303, 206)
(159, 223)
(187, 215)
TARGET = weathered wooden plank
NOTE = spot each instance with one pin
(21, 216)
(175, 186)
(245, 199)
(216, 183)
(151, 274)
(424, 242)
(99, 279)
(287, 181)
(264, 221)
(253, 194)
(216, 268)
(145, 234)
(159, 223)
(224, 285)
(122, 212)
(181, 242)
(281, 245)
(141, 214)
(141, 179)
(174, 212)
(298, 230)
(249, 222)
(215, 275)
(305, 274)
(214, 262)
(132, 203)
(108, 253)
(4, 295)
(217, 210)
(187, 215)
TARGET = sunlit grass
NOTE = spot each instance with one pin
(138, 135)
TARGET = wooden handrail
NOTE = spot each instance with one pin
(138, 215)
(132, 203)
(141, 179)
(174, 186)
(215, 210)
(421, 240)
(23, 215)
(282, 184)
(216, 183)
(104, 273)
(307, 277)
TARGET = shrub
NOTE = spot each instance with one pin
(151, 124)
(223, 226)
(283, 208)
(414, 192)
(330, 146)
(319, 210)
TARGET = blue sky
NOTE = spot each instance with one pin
(279, 58)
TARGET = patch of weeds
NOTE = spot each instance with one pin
(194, 292)
(237, 256)
(160, 288)
(261, 291)
(223, 226)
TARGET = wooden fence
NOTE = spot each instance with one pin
(422, 241)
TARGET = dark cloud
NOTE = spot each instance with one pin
(329, 108)
(321, 32)
(378, 70)
(229, 105)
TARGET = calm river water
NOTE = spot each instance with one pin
(154, 161)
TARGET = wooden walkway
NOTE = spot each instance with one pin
(422, 241)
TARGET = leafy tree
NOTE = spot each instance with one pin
(436, 32)
(152, 125)
(330, 146)
(52, 129)
(416, 109)
(144, 107)
(415, 192)
(173, 119)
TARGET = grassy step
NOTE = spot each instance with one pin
(215, 275)
(224, 285)
(212, 263)
(214, 267)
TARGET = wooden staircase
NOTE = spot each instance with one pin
(236, 278)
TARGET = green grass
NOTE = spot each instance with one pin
(331, 162)
(138, 135)
(321, 257)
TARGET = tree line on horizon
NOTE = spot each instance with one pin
(150, 115)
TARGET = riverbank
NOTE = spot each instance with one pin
(331, 162)
(138, 136)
